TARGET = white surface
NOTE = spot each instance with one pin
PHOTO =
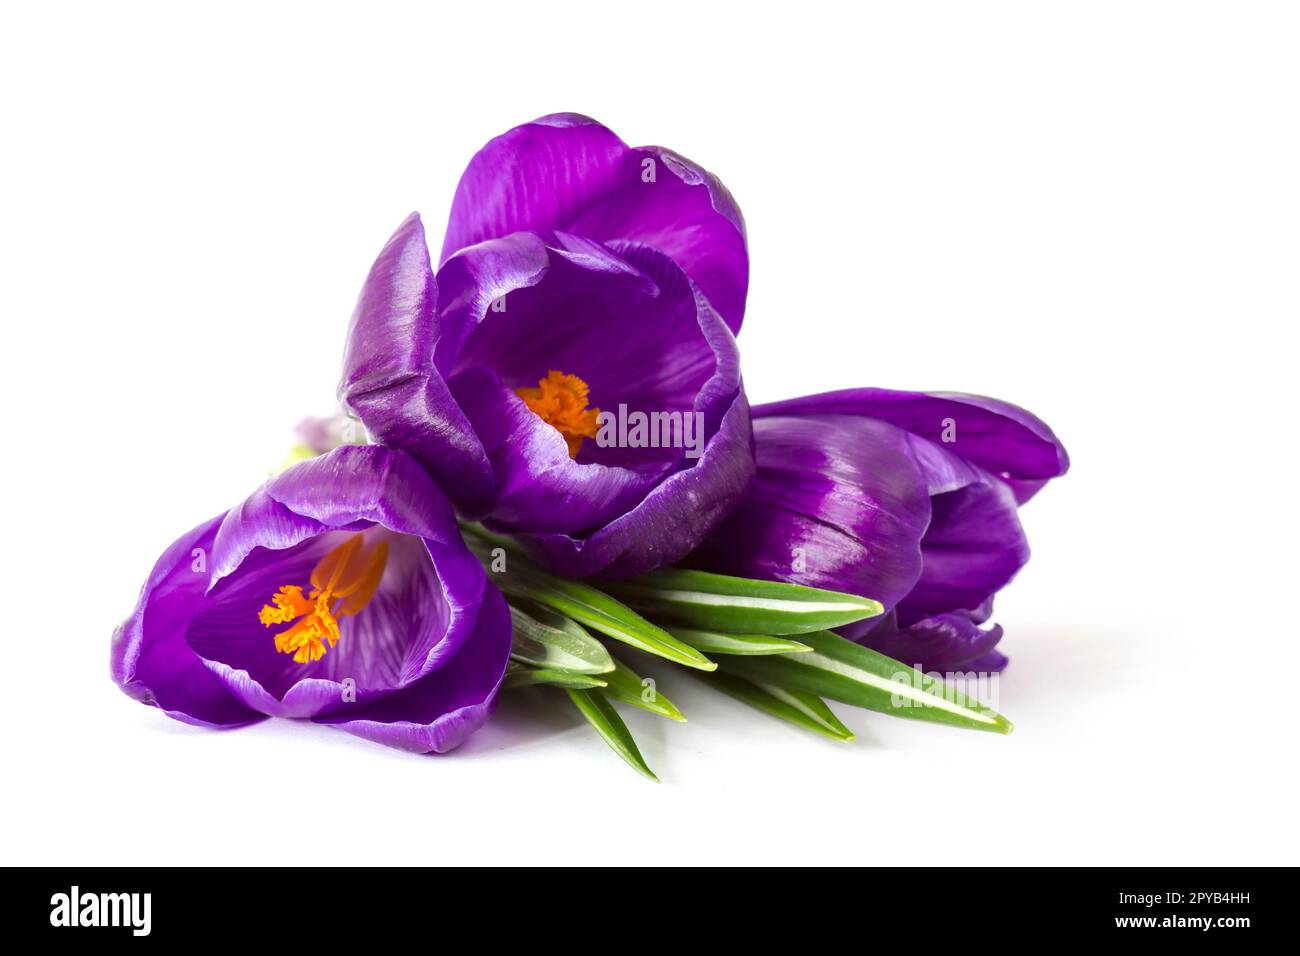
(1089, 210)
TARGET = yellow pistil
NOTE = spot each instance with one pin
(561, 401)
(342, 583)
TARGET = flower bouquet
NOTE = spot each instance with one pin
(545, 467)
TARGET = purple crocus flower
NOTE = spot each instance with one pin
(339, 591)
(909, 498)
(579, 276)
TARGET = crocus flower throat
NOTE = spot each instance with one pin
(342, 584)
(561, 401)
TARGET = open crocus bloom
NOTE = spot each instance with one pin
(905, 497)
(494, 372)
(339, 591)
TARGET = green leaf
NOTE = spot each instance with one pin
(796, 706)
(551, 641)
(584, 604)
(601, 714)
(521, 676)
(490, 538)
(848, 672)
(718, 602)
(628, 686)
(713, 642)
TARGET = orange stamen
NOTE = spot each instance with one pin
(561, 401)
(343, 582)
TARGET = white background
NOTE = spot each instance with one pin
(1089, 209)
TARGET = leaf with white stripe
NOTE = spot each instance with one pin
(520, 675)
(715, 642)
(579, 601)
(547, 639)
(797, 707)
(848, 672)
(720, 602)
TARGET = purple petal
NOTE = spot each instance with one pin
(150, 660)
(353, 486)
(534, 178)
(394, 325)
(670, 521)
(478, 278)
(440, 710)
(388, 376)
(972, 548)
(944, 643)
(685, 212)
(567, 172)
(626, 322)
(839, 503)
(993, 662)
(999, 437)
(541, 488)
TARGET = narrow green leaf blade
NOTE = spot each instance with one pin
(848, 672)
(603, 613)
(719, 602)
(529, 676)
(628, 686)
(600, 713)
(586, 605)
(715, 642)
(795, 706)
(547, 639)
